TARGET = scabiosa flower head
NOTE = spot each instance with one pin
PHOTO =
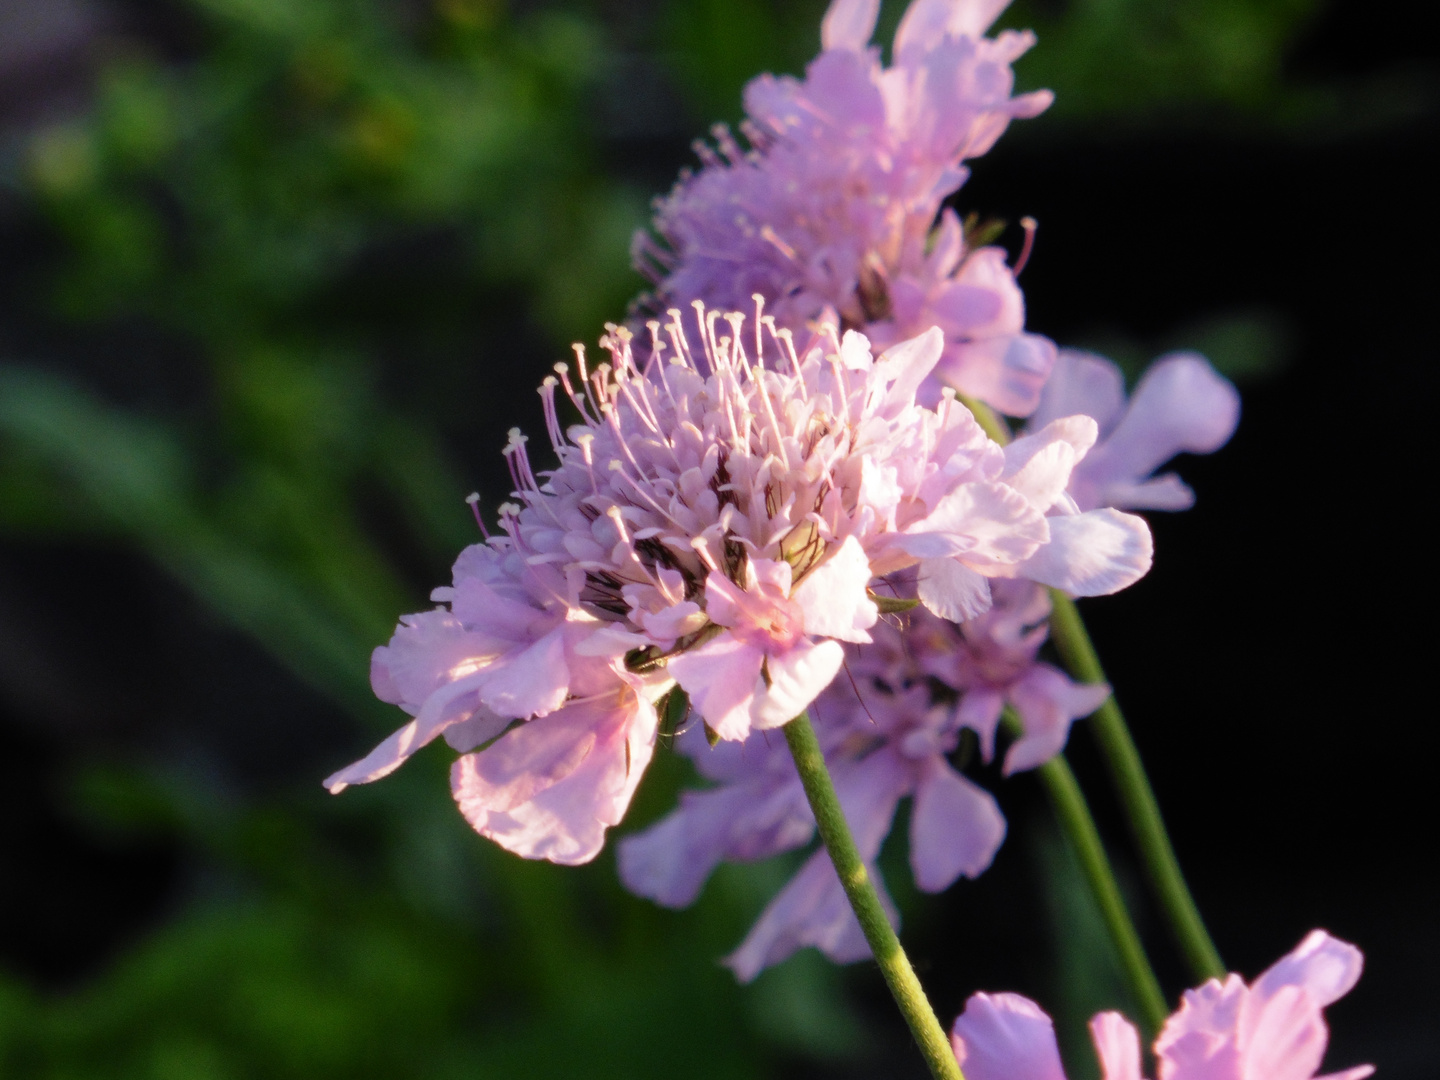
(1273, 1029)
(1181, 405)
(715, 521)
(834, 204)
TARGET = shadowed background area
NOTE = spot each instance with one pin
(275, 279)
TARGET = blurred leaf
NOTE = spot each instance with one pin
(1247, 346)
(1139, 58)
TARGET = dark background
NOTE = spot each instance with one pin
(178, 898)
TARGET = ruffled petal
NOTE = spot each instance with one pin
(982, 523)
(1039, 466)
(1091, 554)
(565, 820)
(833, 595)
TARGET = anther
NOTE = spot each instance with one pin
(1029, 224)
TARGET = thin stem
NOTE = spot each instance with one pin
(1127, 772)
(855, 879)
(1079, 827)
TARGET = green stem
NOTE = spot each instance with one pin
(855, 879)
(1127, 772)
(1072, 641)
(1079, 827)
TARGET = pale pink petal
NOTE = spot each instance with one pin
(1091, 554)
(1039, 466)
(380, 762)
(979, 710)
(566, 821)
(952, 590)
(905, 366)
(955, 827)
(1282, 1037)
(1164, 492)
(1117, 1044)
(1047, 701)
(725, 602)
(1007, 372)
(530, 758)
(983, 523)
(673, 622)
(833, 595)
(1359, 1072)
(811, 911)
(1082, 383)
(796, 679)
(427, 651)
(1201, 1033)
(855, 352)
(1326, 966)
(480, 728)
(530, 682)
(849, 24)
(451, 704)
(722, 678)
(1006, 1037)
(927, 21)
(670, 861)
(1181, 405)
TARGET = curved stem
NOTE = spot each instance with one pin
(1079, 827)
(855, 879)
(1122, 758)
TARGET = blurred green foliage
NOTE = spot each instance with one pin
(233, 202)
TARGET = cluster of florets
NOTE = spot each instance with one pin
(1272, 1029)
(834, 204)
(892, 728)
(716, 521)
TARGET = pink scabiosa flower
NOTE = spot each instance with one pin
(714, 521)
(1180, 405)
(1273, 1029)
(834, 205)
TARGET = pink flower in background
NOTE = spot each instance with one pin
(835, 204)
(1273, 1029)
(991, 662)
(716, 522)
(1180, 405)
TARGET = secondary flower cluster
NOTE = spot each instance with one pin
(887, 732)
(716, 521)
(1273, 1029)
(834, 204)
